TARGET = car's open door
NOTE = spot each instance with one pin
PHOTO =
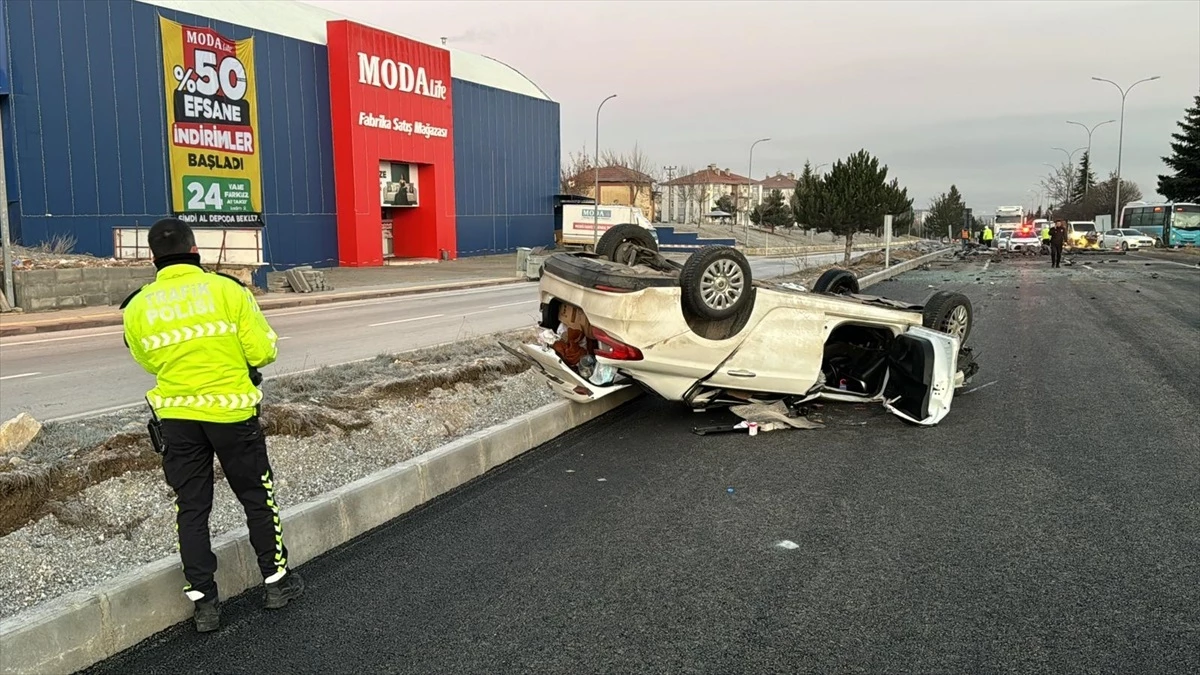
(921, 376)
(565, 381)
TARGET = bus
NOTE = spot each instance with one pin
(1009, 218)
(1172, 224)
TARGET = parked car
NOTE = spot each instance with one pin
(704, 333)
(1125, 240)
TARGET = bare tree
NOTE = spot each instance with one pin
(572, 166)
(1059, 183)
(635, 160)
(703, 192)
(684, 194)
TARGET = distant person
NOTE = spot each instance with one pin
(1058, 237)
(1045, 236)
(988, 236)
(206, 397)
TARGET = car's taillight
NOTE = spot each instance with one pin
(612, 348)
(612, 289)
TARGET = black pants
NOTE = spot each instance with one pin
(1055, 254)
(188, 464)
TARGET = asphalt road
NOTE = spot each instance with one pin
(1049, 524)
(71, 374)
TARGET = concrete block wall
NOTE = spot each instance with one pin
(43, 290)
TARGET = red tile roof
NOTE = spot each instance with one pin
(620, 175)
(779, 181)
(712, 176)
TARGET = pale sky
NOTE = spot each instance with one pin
(973, 93)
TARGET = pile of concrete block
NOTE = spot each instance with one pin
(297, 280)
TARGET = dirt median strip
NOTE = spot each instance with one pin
(31, 325)
(87, 626)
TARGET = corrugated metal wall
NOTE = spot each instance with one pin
(506, 159)
(86, 139)
(88, 121)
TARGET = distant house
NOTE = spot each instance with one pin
(784, 182)
(618, 185)
(690, 198)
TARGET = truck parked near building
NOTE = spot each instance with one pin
(584, 224)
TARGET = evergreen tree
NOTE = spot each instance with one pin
(1184, 186)
(946, 212)
(1085, 181)
(853, 197)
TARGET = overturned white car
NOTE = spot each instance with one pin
(704, 333)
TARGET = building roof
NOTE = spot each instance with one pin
(780, 181)
(305, 22)
(621, 175)
(712, 176)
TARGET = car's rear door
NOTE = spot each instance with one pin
(921, 370)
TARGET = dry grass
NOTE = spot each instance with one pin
(59, 244)
(68, 457)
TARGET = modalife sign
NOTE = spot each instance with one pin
(398, 76)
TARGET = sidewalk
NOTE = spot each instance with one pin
(349, 283)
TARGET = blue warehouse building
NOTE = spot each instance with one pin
(84, 128)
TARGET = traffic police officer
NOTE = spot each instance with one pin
(203, 337)
(987, 236)
(1045, 234)
(1058, 237)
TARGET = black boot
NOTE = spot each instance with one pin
(208, 615)
(279, 593)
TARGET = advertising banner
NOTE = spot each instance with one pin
(212, 127)
(398, 184)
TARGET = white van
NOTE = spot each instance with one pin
(584, 223)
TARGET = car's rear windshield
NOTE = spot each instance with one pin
(1083, 227)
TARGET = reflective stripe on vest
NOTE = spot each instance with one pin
(234, 401)
(178, 335)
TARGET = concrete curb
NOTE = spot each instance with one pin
(900, 268)
(77, 630)
(789, 252)
(268, 303)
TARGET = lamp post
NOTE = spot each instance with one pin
(596, 171)
(1089, 145)
(1071, 164)
(749, 183)
(1120, 142)
(670, 191)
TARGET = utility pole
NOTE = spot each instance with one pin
(670, 191)
(1120, 143)
(5, 235)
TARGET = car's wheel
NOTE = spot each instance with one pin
(836, 282)
(949, 313)
(716, 283)
(620, 242)
(1158, 242)
(1125, 246)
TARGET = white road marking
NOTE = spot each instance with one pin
(283, 338)
(513, 304)
(415, 318)
(1191, 266)
(59, 339)
(787, 544)
(13, 377)
(987, 265)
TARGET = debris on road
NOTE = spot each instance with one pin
(787, 544)
(773, 416)
(17, 433)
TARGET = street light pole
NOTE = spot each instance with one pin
(670, 191)
(1089, 145)
(596, 173)
(1120, 143)
(1071, 164)
(749, 183)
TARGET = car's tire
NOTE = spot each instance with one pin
(1124, 247)
(716, 283)
(617, 243)
(950, 313)
(836, 282)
